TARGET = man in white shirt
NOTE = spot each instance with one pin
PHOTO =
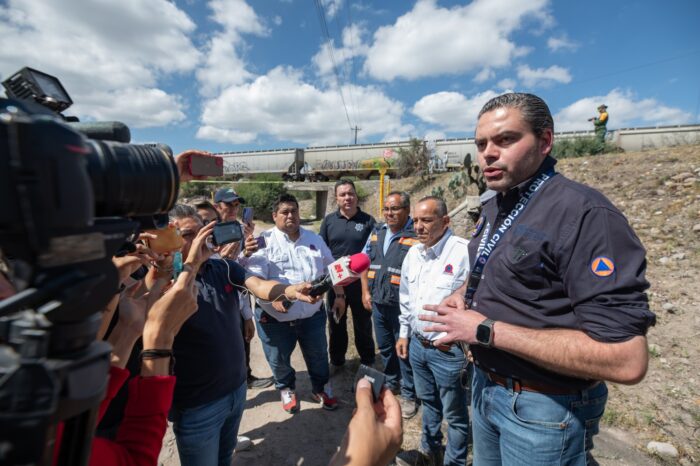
(293, 252)
(431, 271)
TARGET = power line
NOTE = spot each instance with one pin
(353, 75)
(324, 30)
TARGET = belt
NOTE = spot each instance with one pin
(532, 386)
(429, 344)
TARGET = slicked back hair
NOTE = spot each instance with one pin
(441, 210)
(534, 110)
(284, 199)
(181, 211)
(404, 196)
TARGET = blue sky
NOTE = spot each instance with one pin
(234, 75)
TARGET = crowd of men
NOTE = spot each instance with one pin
(525, 317)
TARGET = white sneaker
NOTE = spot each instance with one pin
(243, 443)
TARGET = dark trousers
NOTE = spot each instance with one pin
(246, 345)
(362, 325)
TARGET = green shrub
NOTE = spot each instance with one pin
(362, 193)
(195, 189)
(579, 147)
(260, 196)
(438, 191)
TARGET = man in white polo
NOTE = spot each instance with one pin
(431, 271)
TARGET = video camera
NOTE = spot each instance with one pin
(70, 199)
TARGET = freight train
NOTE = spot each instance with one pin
(366, 160)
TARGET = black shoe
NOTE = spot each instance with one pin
(263, 382)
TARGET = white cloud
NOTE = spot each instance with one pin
(223, 64)
(332, 7)
(506, 83)
(430, 40)
(534, 77)
(452, 111)
(625, 109)
(282, 106)
(103, 50)
(353, 45)
(561, 43)
(484, 75)
(277, 20)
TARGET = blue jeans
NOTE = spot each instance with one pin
(279, 340)
(206, 435)
(511, 428)
(386, 330)
(437, 376)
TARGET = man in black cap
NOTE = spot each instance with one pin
(227, 202)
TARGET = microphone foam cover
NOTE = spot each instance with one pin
(359, 262)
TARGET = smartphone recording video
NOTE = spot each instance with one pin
(206, 165)
(226, 232)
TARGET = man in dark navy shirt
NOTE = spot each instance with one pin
(556, 302)
(345, 231)
(210, 391)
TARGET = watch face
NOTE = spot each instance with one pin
(483, 334)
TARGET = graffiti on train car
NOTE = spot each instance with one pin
(237, 166)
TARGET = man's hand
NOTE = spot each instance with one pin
(279, 306)
(199, 251)
(375, 432)
(402, 348)
(367, 301)
(338, 308)
(130, 263)
(248, 329)
(455, 300)
(183, 164)
(250, 246)
(230, 250)
(300, 292)
(460, 325)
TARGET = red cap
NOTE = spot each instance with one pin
(359, 262)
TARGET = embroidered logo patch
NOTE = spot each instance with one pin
(359, 226)
(602, 266)
(517, 254)
(477, 228)
(449, 269)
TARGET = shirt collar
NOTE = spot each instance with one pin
(339, 215)
(513, 194)
(286, 237)
(409, 224)
(436, 249)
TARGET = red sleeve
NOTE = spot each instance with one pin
(141, 432)
(117, 377)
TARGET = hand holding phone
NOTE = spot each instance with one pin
(206, 165)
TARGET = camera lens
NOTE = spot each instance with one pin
(131, 180)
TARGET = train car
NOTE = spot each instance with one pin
(288, 163)
(362, 160)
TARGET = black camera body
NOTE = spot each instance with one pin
(68, 204)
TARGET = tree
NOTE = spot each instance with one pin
(414, 159)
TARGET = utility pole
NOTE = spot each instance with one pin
(355, 129)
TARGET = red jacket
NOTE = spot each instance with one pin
(141, 432)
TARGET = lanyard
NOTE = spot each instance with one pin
(488, 243)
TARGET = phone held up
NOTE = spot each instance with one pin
(247, 216)
(226, 232)
(206, 165)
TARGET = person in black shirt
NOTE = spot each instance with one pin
(345, 231)
(555, 304)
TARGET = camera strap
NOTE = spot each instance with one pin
(489, 243)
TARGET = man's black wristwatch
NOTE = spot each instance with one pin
(484, 333)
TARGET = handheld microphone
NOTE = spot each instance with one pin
(341, 272)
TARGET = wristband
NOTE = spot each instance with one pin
(159, 354)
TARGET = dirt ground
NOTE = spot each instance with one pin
(659, 192)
